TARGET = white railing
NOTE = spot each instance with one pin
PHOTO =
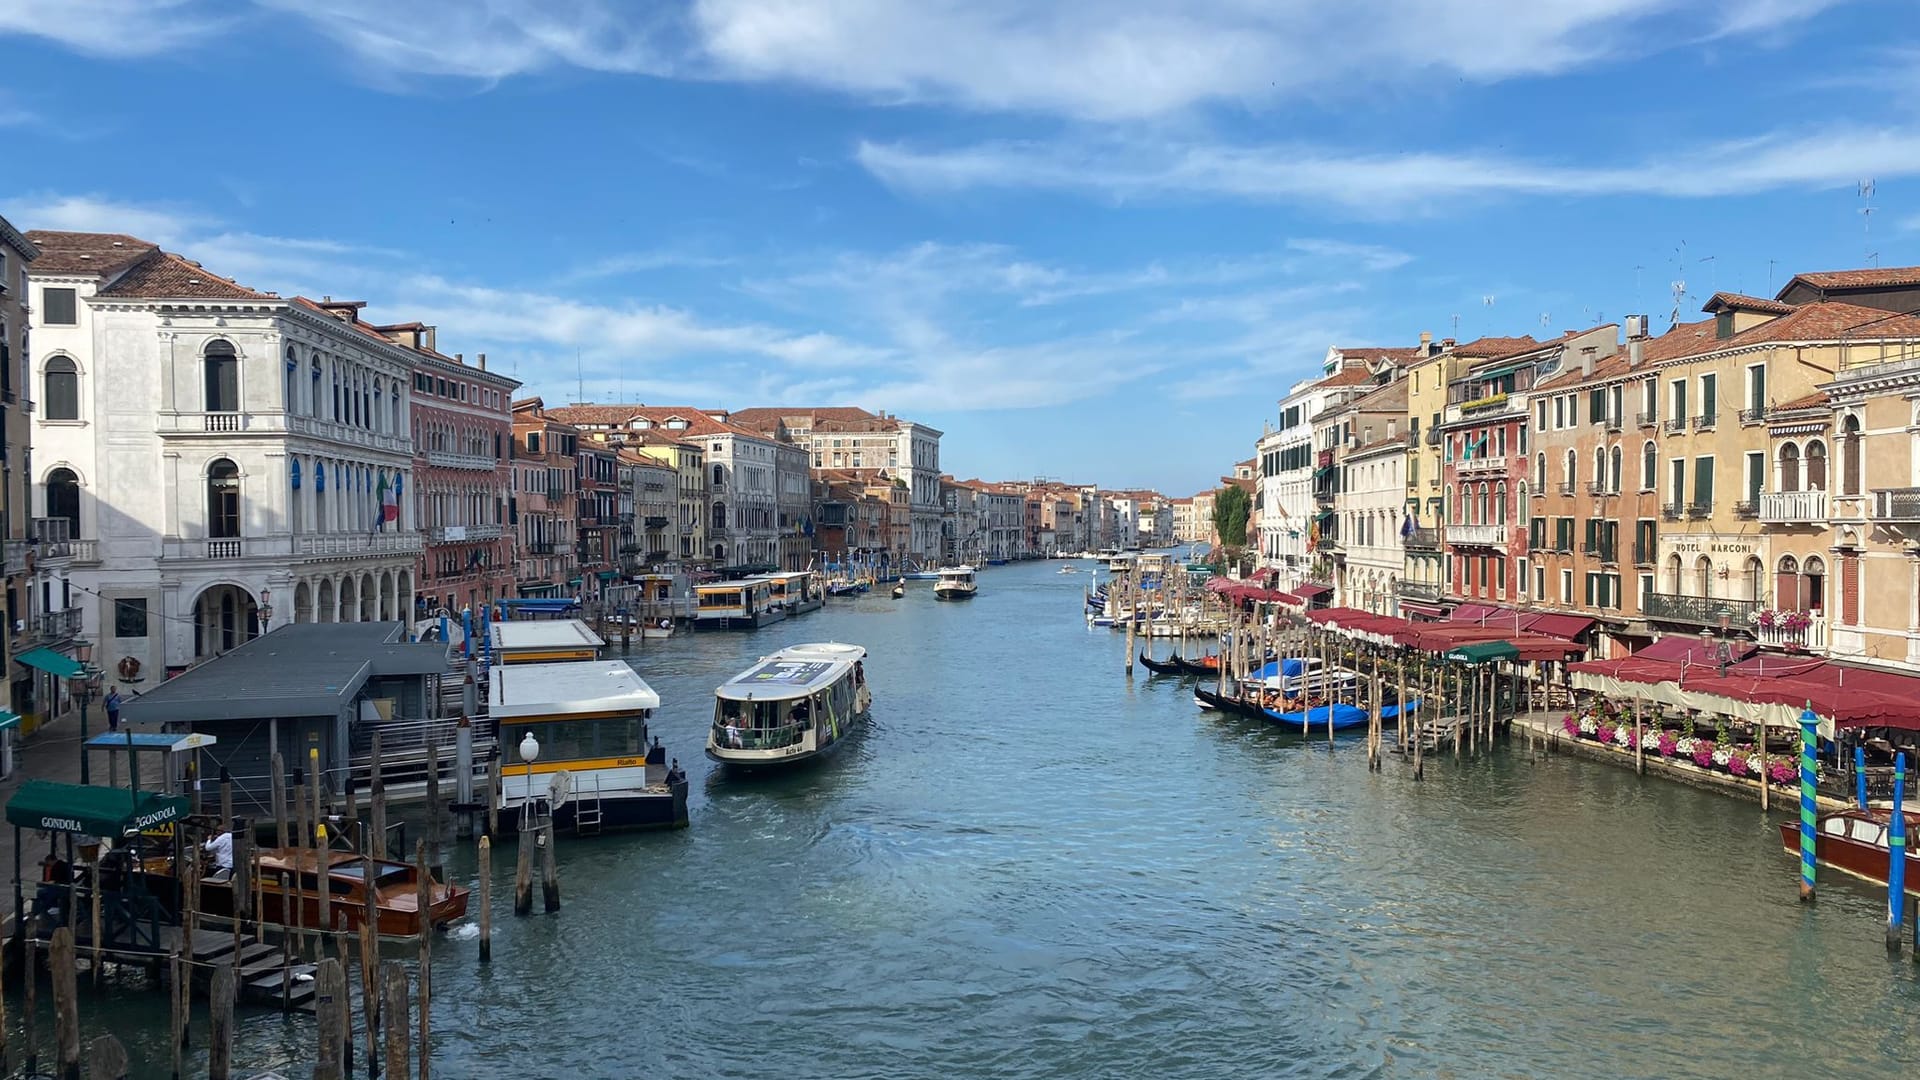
(351, 544)
(456, 534)
(85, 551)
(327, 429)
(1490, 535)
(447, 459)
(220, 548)
(221, 423)
(1793, 507)
(1812, 637)
(1477, 465)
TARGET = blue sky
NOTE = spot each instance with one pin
(1093, 239)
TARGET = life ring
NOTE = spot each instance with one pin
(129, 668)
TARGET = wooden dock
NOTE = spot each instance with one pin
(264, 974)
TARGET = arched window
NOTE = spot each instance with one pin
(1649, 466)
(720, 515)
(1449, 508)
(1540, 471)
(1703, 576)
(1673, 575)
(1813, 589)
(1614, 458)
(1755, 570)
(1789, 467)
(62, 390)
(222, 378)
(1526, 508)
(223, 500)
(63, 498)
(1572, 476)
(1500, 504)
(1816, 466)
(1480, 507)
(313, 393)
(1850, 456)
(1786, 584)
(1600, 467)
(293, 382)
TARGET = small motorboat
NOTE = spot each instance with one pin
(844, 588)
(955, 583)
(1068, 570)
(900, 588)
(1854, 841)
(286, 892)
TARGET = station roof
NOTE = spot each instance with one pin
(302, 669)
(579, 686)
(543, 634)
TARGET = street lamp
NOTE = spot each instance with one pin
(529, 752)
(266, 609)
(84, 681)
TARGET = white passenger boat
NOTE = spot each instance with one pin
(795, 705)
(592, 764)
(955, 583)
(797, 591)
(743, 604)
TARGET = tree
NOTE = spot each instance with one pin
(1230, 510)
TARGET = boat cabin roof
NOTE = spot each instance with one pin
(796, 671)
(733, 586)
(956, 571)
(581, 686)
(788, 575)
(544, 634)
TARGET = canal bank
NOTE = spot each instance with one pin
(1029, 866)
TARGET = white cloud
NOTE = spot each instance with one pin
(117, 28)
(1383, 184)
(1365, 256)
(1087, 59)
(166, 226)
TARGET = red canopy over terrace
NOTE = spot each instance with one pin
(1847, 707)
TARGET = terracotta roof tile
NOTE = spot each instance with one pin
(699, 421)
(166, 276)
(1497, 346)
(1728, 301)
(1351, 375)
(1400, 356)
(1815, 400)
(86, 253)
(1871, 277)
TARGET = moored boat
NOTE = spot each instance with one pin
(1169, 666)
(1854, 841)
(1205, 665)
(742, 604)
(797, 592)
(396, 892)
(796, 704)
(955, 583)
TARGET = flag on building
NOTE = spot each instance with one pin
(1406, 526)
(389, 499)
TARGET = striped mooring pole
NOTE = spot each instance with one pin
(1809, 739)
(1897, 854)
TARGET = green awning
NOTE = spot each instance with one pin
(57, 664)
(1485, 652)
(9, 720)
(609, 575)
(91, 810)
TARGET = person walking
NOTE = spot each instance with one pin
(113, 709)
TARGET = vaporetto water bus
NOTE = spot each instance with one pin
(543, 641)
(955, 583)
(794, 705)
(798, 591)
(592, 760)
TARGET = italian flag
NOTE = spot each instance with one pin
(389, 506)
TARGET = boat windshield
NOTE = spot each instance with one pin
(575, 740)
(761, 725)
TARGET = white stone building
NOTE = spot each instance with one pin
(224, 456)
(1373, 507)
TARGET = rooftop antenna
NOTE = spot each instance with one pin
(1713, 274)
(1770, 263)
(1866, 219)
(1679, 294)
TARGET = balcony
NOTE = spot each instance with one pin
(1900, 506)
(1700, 610)
(1703, 422)
(447, 459)
(1672, 512)
(1491, 401)
(1746, 509)
(1676, 425)
(351, 545)
(1478, 535)
(1567, 488)
(1614, 424)
(1647, 419)
(1433, 436)
(1422, 538)
(55, 536)
(1598, 487)
(56, 625)
(85, 551)
(657, 522)
(1700, 511)
(1800, 507)
(538, 547)
(1420, 590)
(1482, 465)
(1812, 636)
(221, 423)
(457, 534)
(1752, 416)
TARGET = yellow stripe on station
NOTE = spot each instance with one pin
(547, 656)
(576, 765)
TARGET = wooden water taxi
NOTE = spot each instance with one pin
(286, 892)
(1854, 841)
(955, 583)
(792, 706)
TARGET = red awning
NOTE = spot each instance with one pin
(1311, 589)
(1556, 625)
(1471, 612)
(1849, 707)
(1431, 611)
(1689, 647)
(1341, 615)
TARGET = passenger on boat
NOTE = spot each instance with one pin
(859, 674)
(220, 848)
(732, 734)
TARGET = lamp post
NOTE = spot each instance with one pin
(84, 682)
(266, 609)
(529, 752)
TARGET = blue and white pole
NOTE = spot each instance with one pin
(1860, 776)
(1809, 738)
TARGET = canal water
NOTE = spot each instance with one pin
(1030, 867)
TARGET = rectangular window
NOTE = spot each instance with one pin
(1537, 534)
(1566, 586)
(1757, 391)
(1650, 399)
(1646, 591)
(1596, 406)
(1540, 414)
(1756, 476)
(1709, 394)
(1677, 486)
(1521, 584)
(1616, 402)
(1679, 400)
(130, 618)
(1559, 413)
(59, 307)
(1703, 481)
(1540, 582)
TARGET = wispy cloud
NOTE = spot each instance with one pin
(1086, 59)
(164, 225)
(1365, 256)
(643, 262)
(1389, 184)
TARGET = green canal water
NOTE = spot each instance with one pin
(1028, 867)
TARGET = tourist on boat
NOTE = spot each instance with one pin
(220, 848)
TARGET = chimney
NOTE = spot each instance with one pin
(1426, 343)
(1636, 340)
(432, 335)
(1586, 361)
(481, 359)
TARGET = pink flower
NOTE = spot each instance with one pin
(1703, 752)
(1667, 743)
(1737, 765)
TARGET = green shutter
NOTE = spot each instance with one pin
(1703, 481)
(1596, 406)
(1590, 578)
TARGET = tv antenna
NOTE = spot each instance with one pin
(1713, 274)
(1866, 221)
(1679, 294)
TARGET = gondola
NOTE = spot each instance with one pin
(1199, 667)
(1169, 666)
(1232, 706)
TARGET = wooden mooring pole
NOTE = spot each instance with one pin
(377, 804)
(395, 1019)
(220, 1041)
(425, 900)
(486, 899)
(330, 1009)
(66, 1004)
(523, 864)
